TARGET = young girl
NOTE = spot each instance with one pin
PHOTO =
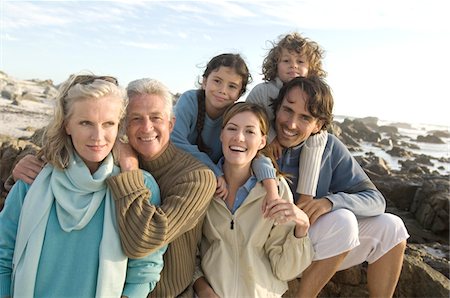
(199, 118)
(242, 255)
(59, 237)
(291, 57)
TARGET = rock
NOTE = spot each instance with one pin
(417, 279)
(400, 152)
(430, 139)
(374, 164)
(361, 131)
(431, 205)
(440, 133)
(410, 166)
(391, 130)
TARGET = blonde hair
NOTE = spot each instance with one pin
(57, 145)
(294, 42)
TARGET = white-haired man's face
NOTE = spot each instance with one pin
(148, 125)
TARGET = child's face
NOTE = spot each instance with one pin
(222, 88)
(291, 65)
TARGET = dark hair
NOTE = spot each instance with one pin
(319, 101)
(294, 42)
(234, 61)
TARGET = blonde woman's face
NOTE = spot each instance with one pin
(93, 127)
(292, 65)
(241, 139)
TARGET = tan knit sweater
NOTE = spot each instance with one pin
(187, 186)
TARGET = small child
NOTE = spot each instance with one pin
(291, 57)
(199, 119)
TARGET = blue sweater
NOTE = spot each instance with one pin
(184, 136)
(341, 179)
(69, 261)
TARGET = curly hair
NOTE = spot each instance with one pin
(294, 42)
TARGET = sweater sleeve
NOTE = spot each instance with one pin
(184, 134)
(288, 255)
(145, 227)
(263, 168)
(349, 187)
(144, 273)
(9, 221)
(309, 165)
(262, 94)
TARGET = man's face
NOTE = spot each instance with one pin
(148, 125)
(293, 122)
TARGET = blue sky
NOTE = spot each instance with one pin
(384, 58)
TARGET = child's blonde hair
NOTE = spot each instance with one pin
(294, 42)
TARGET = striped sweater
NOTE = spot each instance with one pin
(187, 186)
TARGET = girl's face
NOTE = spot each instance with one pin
(241, 139)
(93, 126)
(291, 65)
(222, 88)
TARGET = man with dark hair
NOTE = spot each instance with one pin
(349, 225)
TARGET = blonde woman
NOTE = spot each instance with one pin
(59, 237)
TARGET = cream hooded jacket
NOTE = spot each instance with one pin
(245, 255)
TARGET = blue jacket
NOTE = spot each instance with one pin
(341, 179)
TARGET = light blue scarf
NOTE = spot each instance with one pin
(77, 195)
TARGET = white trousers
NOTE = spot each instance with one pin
(368, 238)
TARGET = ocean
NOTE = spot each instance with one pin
(408, 133)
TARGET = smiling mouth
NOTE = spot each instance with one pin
(289, 133)
(147, 139)
(237, 149)
(96, 147)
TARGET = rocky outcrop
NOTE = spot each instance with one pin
(417, 279)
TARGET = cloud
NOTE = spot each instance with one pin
(144, 45)
(356, 15)
(18, 15)
(22, 14)
(7, 37)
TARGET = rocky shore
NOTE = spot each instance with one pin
(415, 192)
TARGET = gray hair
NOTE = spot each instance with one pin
(151, 87)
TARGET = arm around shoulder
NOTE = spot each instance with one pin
(136, 215)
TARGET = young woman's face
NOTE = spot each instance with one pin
(241, 139)
(292, 65)
(222, 88)
(93, 126)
